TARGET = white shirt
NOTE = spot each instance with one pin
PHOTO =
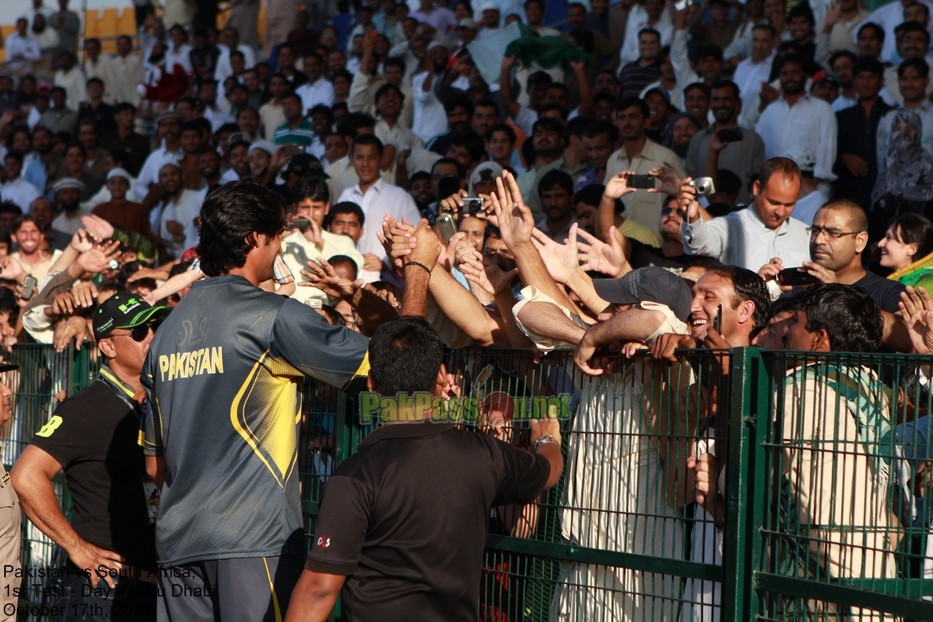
(74, 84)
(842, 102)
(20, 192)
(749, 76)
(742, 239)
(179, 56)
(149, 173)
(27, 48)
(805, 209)
(430, 118)
(889, 17)
(217, 116)
(380, 199)
(184, 212)
(102, 70)
(809, 123)
(399, 137)
(893, 90)
(637, 20)
(127, 72)
(321, 92)
(71, 225)
(229, 176)
(223, 70)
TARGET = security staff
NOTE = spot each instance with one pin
(10, 518)
(94, 437)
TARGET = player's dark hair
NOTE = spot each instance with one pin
(231, 217)
(405, 355)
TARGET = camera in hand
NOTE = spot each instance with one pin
(731, 135)
(641, 182)
(703, 185)
(794, 276)
(301, 224)
(472, 205)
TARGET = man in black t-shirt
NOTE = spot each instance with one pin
(838, 237)
(93, 436)
(671, 255)
(402, 524)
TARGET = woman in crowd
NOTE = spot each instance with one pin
(907, 248)
(907, 183)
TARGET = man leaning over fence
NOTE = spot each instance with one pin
(730, 306)
(839, 459)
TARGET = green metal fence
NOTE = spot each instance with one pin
(825, 465)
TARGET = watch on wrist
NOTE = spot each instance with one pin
(547, 438)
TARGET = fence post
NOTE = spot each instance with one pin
(739, 599)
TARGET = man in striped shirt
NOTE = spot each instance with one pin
(297, 130)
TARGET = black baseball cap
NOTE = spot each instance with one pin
(650, 284)
(124, 310)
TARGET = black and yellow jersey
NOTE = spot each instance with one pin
(224, 375)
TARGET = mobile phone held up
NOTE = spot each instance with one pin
(447, 227)
(731, 135)
(641, 182)
(794, 276)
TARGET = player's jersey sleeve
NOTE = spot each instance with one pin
(331, 354)
(150, 428)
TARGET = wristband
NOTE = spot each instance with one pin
(419, 264)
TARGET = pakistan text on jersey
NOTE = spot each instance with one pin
(195, 363)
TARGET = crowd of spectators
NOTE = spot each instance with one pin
(562, 194)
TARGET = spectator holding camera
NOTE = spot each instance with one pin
(751, 237)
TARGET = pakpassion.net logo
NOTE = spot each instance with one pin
(475, 408)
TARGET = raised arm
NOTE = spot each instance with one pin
(505, 87)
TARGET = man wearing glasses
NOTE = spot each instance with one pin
(93, 436)
(838, 237)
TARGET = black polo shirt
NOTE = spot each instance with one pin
(406, 517)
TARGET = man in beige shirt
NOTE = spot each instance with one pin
(310, 242)
(639, 154)
(272, 114)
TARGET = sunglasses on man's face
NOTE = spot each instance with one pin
(139, 333)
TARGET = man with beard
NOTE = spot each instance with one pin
(238, 159)
(209, 167)
(126, 140)
(173, 220)
(799, 120)
(42, 212)
(556, 192)
(640, 155)
(46, 161)
(598, 139)
(547, 138)
(169, 131)
(68, 205)
(247, 121)
(459, 110)
(390, 101)
(708, 153)
(71, 78)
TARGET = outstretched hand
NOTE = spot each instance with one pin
(598, 256)
(916, 307)
(325, 278)
(516, 222)
(561, 260)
